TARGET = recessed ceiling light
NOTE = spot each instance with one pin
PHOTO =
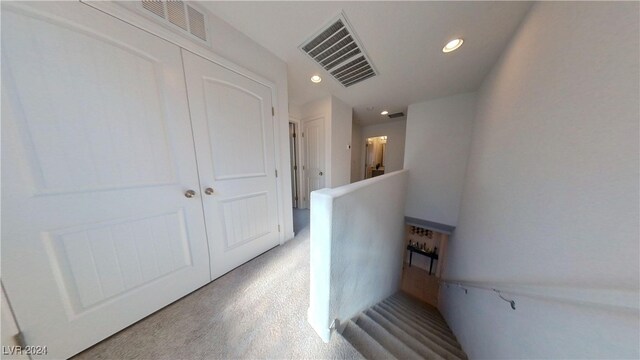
(452, 45)
(316, 79)
(385, 112)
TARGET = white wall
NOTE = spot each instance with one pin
(436, 152)
(356, 157)
(357, 234)
(233, 49)
(394, 151)
(295, 111)
(551, 191)
(341, 120)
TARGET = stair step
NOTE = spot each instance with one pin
(411, 338)
(402, 327)
(442, 336)
(408, 317)
(444, 341)
(420, 308)
(436, 343)
(390, 342)
(407, 309)
(417, 305)
(403, 296)
(431, 319)
(364, 343)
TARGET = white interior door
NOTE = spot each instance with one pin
(97, 154)
(233, 131)
(314, 156)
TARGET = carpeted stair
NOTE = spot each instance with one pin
(401, 327)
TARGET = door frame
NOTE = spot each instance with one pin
(296, 143)
(127, 15)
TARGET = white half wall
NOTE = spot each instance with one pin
(436, 152)
(551, 191)
(357, 235)
(394, 150)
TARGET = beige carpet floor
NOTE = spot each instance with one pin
(256, 311)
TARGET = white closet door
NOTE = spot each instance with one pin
(314, 151)
(233, 132)
(97, 154)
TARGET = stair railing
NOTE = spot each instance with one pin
(626, 300)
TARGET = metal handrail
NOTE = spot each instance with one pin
(619, 299)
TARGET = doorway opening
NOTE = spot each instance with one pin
(293, 151)
(374, 156)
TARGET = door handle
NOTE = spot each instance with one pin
(190, 193)
(208, 191)
(320, 173)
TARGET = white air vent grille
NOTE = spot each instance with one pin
(337, 49)
(179, 16)
(176, 14)
(197, 23)
(396, 115)
(156, 7)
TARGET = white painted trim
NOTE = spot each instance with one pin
(139, 21)
(279, 183)
(298, 146)
(296, 121)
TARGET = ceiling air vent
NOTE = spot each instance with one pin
(396, 115)
(179, 16)
(337, 49)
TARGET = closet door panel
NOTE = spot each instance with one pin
(244, 138)
(97, 154)
(233, 132)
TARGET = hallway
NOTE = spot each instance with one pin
(258, 310)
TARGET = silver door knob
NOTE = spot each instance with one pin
(208, 191)
(320, 173)
(190, 193)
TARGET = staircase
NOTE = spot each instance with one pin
(401, 327)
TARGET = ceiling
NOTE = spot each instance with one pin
(404, 41)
